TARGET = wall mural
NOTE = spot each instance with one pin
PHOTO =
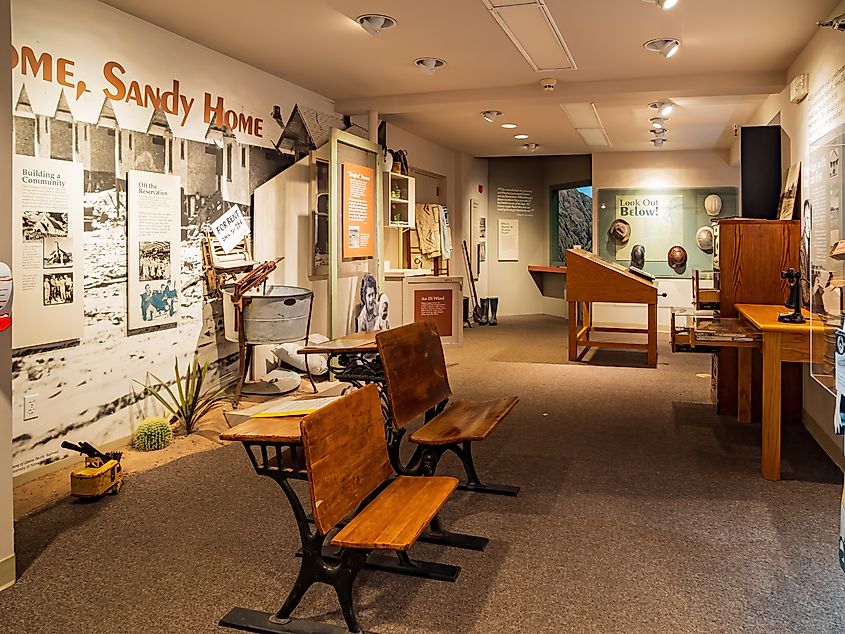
(66, 109)
(572, 221)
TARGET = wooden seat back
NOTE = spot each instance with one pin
(345, 455)
(414, 369)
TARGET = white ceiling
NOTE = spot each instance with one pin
(733, 54)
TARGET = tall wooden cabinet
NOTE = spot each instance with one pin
(752, 254)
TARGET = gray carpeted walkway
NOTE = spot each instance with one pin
(641, 511)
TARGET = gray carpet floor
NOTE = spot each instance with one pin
(641, 511)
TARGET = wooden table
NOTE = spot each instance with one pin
(782, 343)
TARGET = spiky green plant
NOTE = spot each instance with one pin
(153, 433)
(191, 399)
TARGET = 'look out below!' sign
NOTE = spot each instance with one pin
(656, 222)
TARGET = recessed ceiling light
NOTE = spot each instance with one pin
(664, 108)
(520, 136)
(666, 46)
(491, 115)
(663, 4)
(375, 23)
(429, 64)
(531, 147)
(509, 126)
(659, 131)
(658, 142)
(656, 122)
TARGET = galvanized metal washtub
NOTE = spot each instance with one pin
(275, 314)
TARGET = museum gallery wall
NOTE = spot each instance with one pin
(124, 122)
(519, 202)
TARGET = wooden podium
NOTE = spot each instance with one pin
(590, 279)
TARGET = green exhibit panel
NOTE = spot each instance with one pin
(660, 219)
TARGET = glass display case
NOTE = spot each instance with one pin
(705, 331)
(823, 250)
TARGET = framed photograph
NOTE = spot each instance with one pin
(153, 261)
(58, 288)
(38, 225)
(789, 196)
(58, 253)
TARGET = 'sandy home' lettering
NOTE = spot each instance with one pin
(47, 68)
(171, 101)
(121, 88)
(231, 119)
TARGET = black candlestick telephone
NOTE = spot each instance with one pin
(793, 300)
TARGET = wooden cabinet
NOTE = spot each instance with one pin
(399, 195)
(752, 254)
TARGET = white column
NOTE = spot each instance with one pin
(7, 540)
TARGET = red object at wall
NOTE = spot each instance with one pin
(5, 322)
(481, 189)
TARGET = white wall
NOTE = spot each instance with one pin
(517, 290)
(472, 173)
(7, 546)
(657, 169)
(822, 56)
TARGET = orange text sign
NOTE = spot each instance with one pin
(359, 214)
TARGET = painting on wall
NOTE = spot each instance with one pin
(572, 221)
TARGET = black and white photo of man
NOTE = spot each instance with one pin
(58, 289)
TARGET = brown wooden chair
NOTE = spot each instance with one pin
(348, 467)
(417, 384)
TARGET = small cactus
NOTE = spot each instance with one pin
(153, 433)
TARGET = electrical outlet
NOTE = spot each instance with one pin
(30, 406)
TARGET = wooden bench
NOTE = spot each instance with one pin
(349, 474)
(417, 384)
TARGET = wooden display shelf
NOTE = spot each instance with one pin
(547, 269)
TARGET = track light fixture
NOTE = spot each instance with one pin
(429, 64)
(663, 4)
(375, 23)
(666, 46)
(491, 115)
(664, 108)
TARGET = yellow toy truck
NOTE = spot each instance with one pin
(100, 475)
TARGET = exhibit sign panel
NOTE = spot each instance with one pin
(650, 226)
(47, 258)
(508, 240)
(656, 221)
(358, 211)
(154, 211)
(435, 305)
